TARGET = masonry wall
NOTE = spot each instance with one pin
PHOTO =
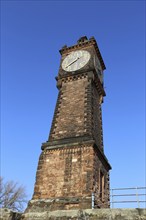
(70, 116)
(65, 173)
(101, 196)
(97, 117)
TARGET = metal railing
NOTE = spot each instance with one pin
(128, 196)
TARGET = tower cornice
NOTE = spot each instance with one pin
(67, 143)
(91, 76)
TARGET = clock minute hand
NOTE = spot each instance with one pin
(73, 62)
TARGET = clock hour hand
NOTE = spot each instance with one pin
(73, 61)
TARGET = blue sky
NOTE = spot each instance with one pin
(32, 32)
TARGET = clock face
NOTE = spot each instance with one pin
(97, 64)
(76, 60)
(98, 68)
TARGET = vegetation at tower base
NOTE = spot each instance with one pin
(12, 196)
(87, 214)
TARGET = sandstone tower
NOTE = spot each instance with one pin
(73, 171)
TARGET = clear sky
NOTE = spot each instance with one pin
(32, 32)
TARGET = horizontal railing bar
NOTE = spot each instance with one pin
(128, 195)
(128, 188)
(125, 201)
(114, 195)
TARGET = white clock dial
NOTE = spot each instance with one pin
(98, 68)
(76, 60)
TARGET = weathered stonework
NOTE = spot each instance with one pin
(65, 181)
(69, 119)
(87, 214)
(90, 214)
(7, 214)
(68, 176)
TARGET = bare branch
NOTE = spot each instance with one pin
(12, 196)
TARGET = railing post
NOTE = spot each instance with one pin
(137, 197)
(112, 199)
(92, 200)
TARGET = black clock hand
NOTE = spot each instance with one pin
(73, 61)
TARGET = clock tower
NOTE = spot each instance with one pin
(73, 171)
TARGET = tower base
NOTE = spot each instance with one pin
(87, 214)
(70, 203)
(72, 179)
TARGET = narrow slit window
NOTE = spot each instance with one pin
(101, 185)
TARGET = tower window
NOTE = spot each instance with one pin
(101, 190)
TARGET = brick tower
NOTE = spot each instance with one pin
(73, 171)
